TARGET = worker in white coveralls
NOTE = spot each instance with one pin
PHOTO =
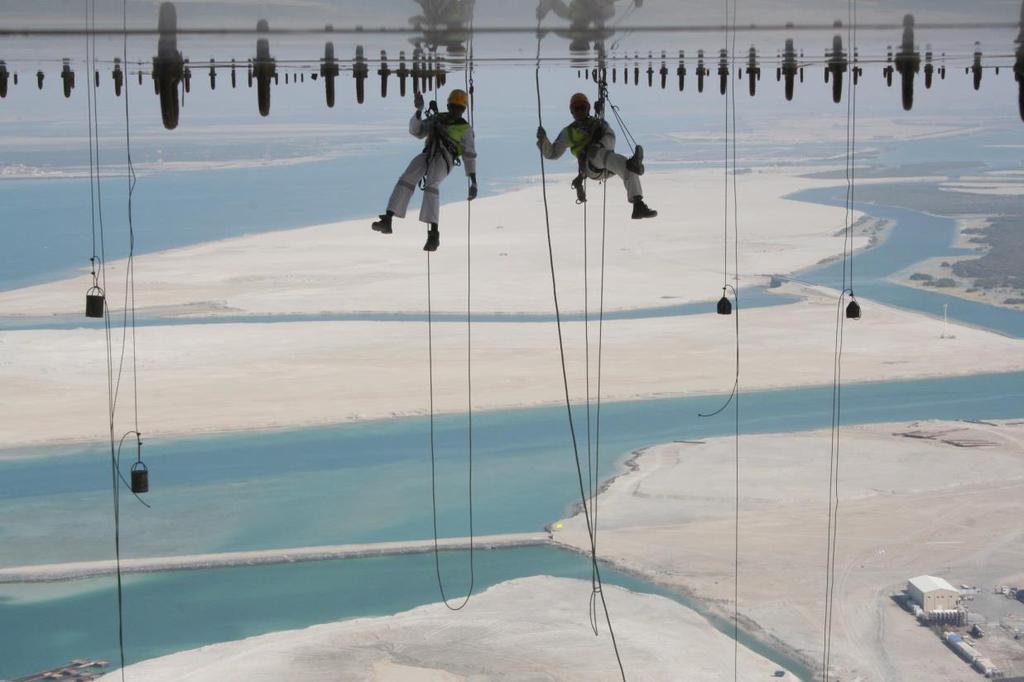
(592, 142)
(449, 142)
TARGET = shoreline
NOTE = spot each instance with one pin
(714, 612)
(659, 638)
(8, 453)
(647, 516)
(239, 273)
(196, 376)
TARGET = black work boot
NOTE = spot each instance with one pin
(635, 163)
(384, 224)
(433, 238)
(642, 210)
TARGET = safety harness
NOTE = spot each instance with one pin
(583, 135)
(444, 136)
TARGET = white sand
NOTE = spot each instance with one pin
(908, 506)
(213, 378)
(528, 629)
(225, 377)
(347, 267)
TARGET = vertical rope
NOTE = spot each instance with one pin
(92, 188)
(734, 395)
(468, 73)
(131, 224)
(597, 420)
(736, 404)
(96, 202)
(847, 288)
(565, 377)
(586, 374)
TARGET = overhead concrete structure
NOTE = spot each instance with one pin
(933, 594)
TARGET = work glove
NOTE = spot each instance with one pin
(418, 101)
(472, 187)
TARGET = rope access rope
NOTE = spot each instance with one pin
(592, 608)
(837, 369)
(597, 421)
(469, 376)
(96, 203)
(593, 460)
(565, 377)
(733, 397)
(736, 385)
(113, 388)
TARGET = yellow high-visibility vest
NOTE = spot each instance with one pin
(581, 133)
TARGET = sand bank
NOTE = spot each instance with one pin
(532, 628)
(920, 498)
(345, 266)
(226, 377)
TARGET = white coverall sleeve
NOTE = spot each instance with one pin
(469, 151)
(554, 151)
(417, 128)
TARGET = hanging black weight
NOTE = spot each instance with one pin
(94, 302)
(140, 478)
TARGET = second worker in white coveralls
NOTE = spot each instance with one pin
(449, 141)
(592, 142)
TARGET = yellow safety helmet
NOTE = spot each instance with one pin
(458, 98)
(579, 99)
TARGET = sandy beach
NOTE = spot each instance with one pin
(941, 498)
(532, 628)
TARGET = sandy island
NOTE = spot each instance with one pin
(196, 379)
(527, 629)
(942, 498)
(213, 378)
(344, 267)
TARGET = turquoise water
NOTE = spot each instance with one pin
(370, 481)
(175, 209)
(46, 226)
(359, 482)
(362, 482)
(171, 612)
(915, 237)
(753, 298)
